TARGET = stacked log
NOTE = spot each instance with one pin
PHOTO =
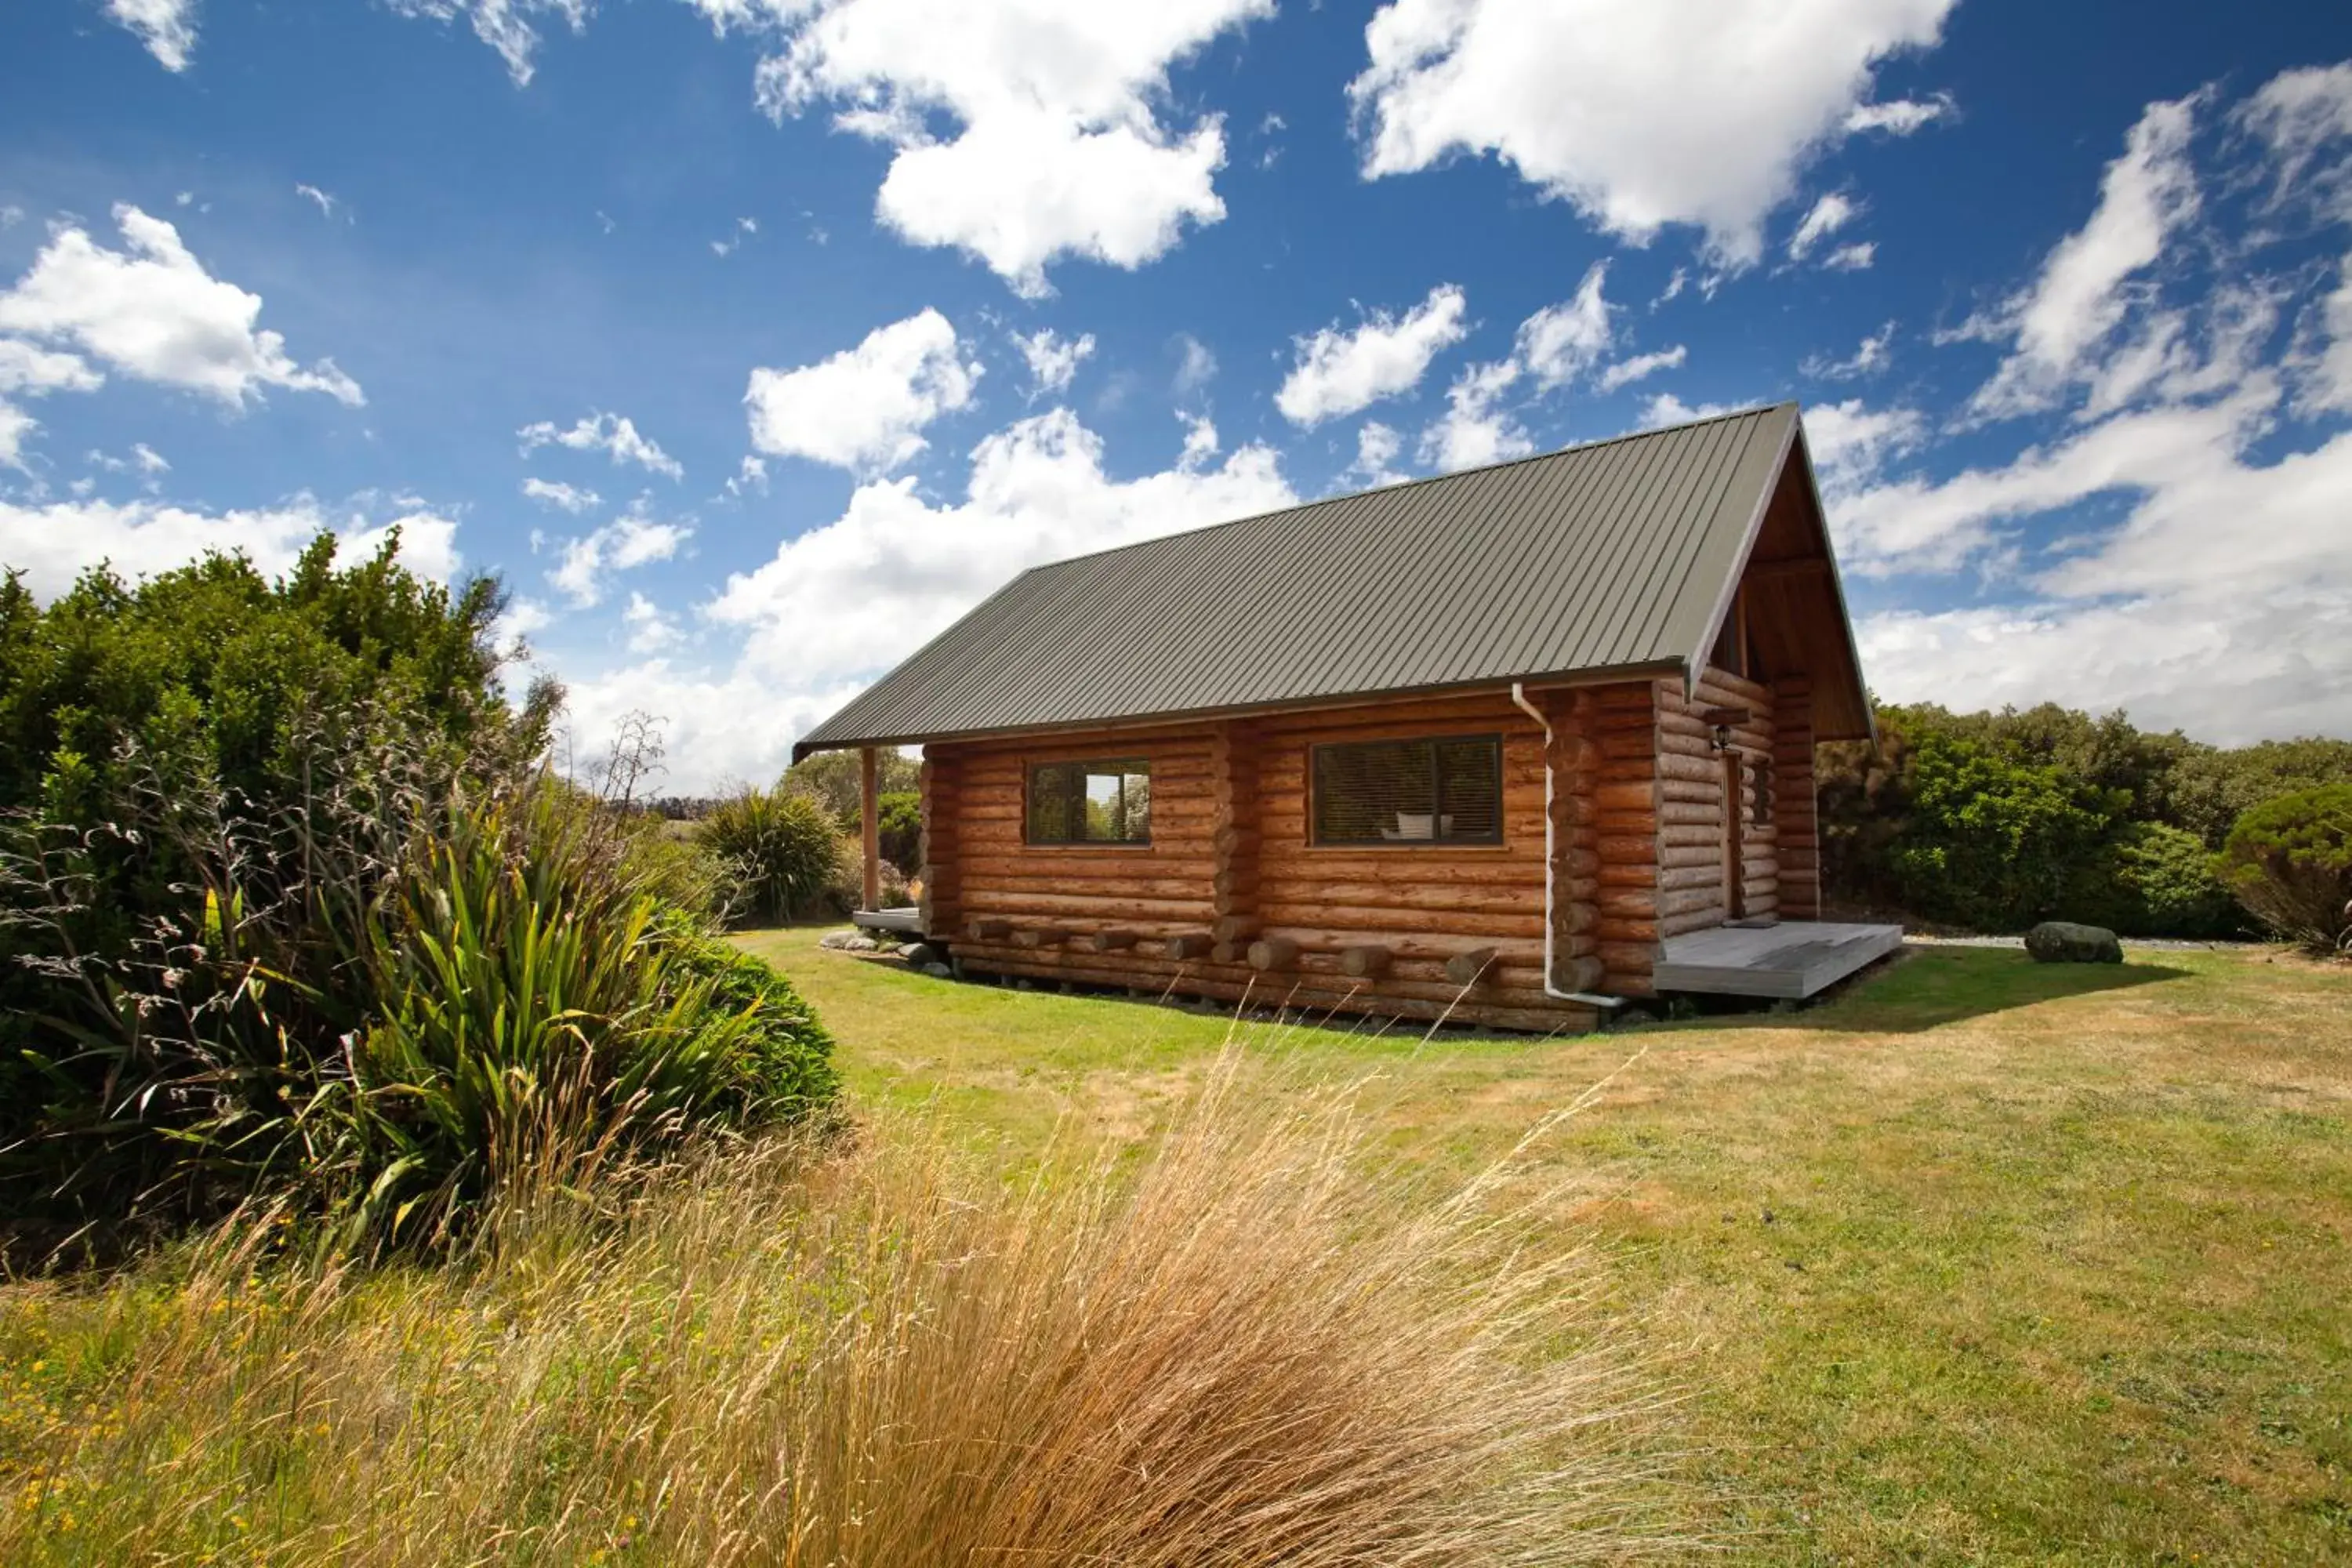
(936, 786)
(1629, 799)
(1794, 804)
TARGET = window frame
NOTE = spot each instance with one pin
(1494, 738)
(1092, 763)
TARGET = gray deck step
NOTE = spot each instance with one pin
(1791, 959)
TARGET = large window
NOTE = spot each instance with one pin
(1090, 803)
(1446, 790)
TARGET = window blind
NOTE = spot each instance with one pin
(1440, 790)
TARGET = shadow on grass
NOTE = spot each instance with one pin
(1924, 988)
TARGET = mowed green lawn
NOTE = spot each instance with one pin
(1982, 1261)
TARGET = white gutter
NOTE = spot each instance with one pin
(1606, 1004)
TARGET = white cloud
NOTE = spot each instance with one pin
(1473, 430)
(326, 203)
(1056, 149)
(751, 476)
(1196, 366)
(1376, 446)
(589, 560)
(864, 408)
(1869, 356)
(1674, 286)
(1852, 444)
(15, 426)
(152, 311)
(150, 461)
(650, 631)
(2061, 319)
(2301, 115)
(1052, 359)
(600, 432)
(1829, 215)
(504, 24)
(722, 249)
(1339, 372)
(168, 27)
(571, 498)
(1666, 409)
(1558, 343)
(1641, 113)
(1626, 372)
(27, 368)
(1899, 117)
(1852, 257)
(1038, 492)
(55, 543)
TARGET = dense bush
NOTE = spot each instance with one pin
(901, 818)
(2290, 862)
(836, 781)
(784, 849)
(287, 905)
(1996, 820)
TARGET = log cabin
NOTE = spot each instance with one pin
(1509, 746)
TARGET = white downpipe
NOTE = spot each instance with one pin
(1519, 698)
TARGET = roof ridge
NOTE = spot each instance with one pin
(1747, 413)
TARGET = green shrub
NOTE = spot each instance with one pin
(783, 848)
(901, 819)
(2289, 861)
(2166, 885)
(836, 779)
(288, 909)
(1992, 843)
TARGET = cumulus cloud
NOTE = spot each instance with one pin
(168, 27)
(864, 408)
(2058, 323)
(612, 434)
(1052, 359)
(1852, 444)
(570, 498)
(1476, 429)
(1558, 343)
(650, 630)
(54, 543)
(585, 565)
(151, 311)
(1376, 446)
(1022, 131)
(1039, 491)
(1666, 409)
(1340, 370)
(1640, 113)
(1626, 372)
(1869, 356)
(504, 24)
(1852, 257)
(1899, 117)
(1828, 216)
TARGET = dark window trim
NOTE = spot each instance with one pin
(1315, 839)
(1029, 766)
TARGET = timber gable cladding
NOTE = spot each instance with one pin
(1629, 805)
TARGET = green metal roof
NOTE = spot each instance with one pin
(1616, 556)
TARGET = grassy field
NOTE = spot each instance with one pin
(1983, 1261)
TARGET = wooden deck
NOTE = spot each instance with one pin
(908, 921)
(1793, 959)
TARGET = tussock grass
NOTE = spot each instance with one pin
(1240, 1351)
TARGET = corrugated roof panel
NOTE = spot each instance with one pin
(1611, 555)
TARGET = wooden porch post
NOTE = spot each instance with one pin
(870, 822)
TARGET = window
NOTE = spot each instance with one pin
(1446, 790)
(1090, 803)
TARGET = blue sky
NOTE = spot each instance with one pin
(750, 340)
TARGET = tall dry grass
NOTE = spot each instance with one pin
(1242, 1352)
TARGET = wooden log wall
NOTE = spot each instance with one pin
(1703, 854)
(1796, 804)
(1576, 762)
(1231, 871)
(942, 911)
(1630, 800)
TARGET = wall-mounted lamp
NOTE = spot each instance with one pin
(1724, 720)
